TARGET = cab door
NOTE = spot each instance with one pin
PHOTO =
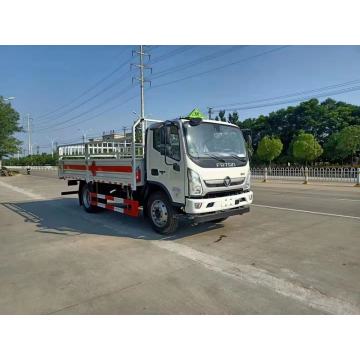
(165, 160)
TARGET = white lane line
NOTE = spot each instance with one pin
(259, 277)
(347, 199)
(30, 194)
(307, 211)
(308, 195)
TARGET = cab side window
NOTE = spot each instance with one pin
(173, 143)
(159, 139)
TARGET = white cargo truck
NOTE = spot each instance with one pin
(184, 169)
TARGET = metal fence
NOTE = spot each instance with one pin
(308, 174)
(101, 149)
(42, 168)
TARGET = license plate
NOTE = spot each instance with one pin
(227, 202)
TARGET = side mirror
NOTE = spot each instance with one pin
(176, 167)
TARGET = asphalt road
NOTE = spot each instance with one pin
(297, 252)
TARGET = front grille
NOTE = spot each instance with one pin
(223, 193)
(220, 182)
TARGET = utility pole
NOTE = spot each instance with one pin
(52, 148)
(124, 130)
(29, 135)
(141, 79)
(210, 112)
(52, 145)
(142, 113)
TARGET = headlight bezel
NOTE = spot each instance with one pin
(247, 182)
(195, 187)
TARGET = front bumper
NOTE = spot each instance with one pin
(206, 217)
(215, 204)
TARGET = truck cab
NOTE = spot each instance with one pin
(203, 168)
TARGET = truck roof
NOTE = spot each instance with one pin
(157, 124)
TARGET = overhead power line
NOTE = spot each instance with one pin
(111, 85)
(329, 87)
(152, 47)
(97, 94)
(141, 66)
(112, 98)
(99, 114)
(221, 67)
(198, 61)
(135, 96)
(289, 101)
(87, 90)
(171, 53)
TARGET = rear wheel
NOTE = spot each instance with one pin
(86, 199)
(162, 215)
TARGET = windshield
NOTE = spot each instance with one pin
(209, 140)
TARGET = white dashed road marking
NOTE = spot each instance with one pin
(309, 296)
(307, 211)
(22, 191)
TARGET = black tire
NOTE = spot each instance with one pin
(219, 220)
(162, 215)
(86, 200)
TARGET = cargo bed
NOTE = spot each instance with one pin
(103, 162)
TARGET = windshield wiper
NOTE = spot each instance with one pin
(235, 156)
(214, 156)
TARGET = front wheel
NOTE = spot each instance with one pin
(162, 214)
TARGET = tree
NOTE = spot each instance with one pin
(36, 160)
(331, 151)
(269, 148)
(222, 115)
(8, 126)
(306, 148)
(322, 119)
(349, 141)
(233, 118)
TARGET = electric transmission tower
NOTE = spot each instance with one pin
(141, 78)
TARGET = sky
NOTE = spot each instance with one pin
(72, 90)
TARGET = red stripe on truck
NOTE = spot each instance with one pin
(109, 168)
(74, 167)
(95, 168)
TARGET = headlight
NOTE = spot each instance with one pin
(247, 181)
(195, 187)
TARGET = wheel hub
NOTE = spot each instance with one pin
(159, 214)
